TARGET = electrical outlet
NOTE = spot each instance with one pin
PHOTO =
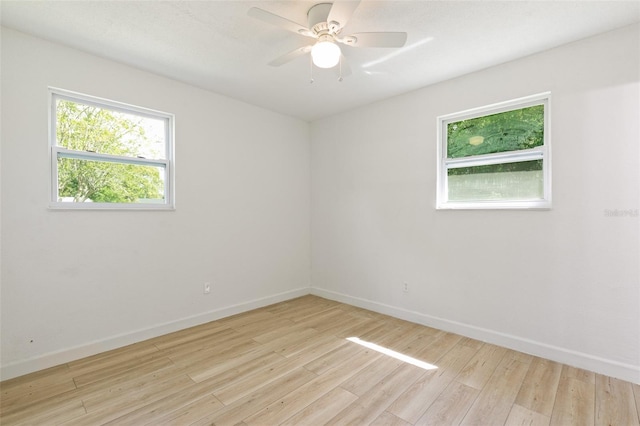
(207, 288)
(405, 287)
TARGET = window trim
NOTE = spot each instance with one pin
(542, 152)
(55, 151)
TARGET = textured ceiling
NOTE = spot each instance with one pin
(215, 45)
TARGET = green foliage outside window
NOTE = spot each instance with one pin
(87, 128)
(520, 166)
(503, 132)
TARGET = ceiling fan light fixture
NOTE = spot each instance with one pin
(325, 54)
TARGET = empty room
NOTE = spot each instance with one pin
(294, 212)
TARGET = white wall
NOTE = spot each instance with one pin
(562, 283)
(75, 283)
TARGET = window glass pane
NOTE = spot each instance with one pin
(497, 182)
(105, 182)
(507, 131)
(90, 128)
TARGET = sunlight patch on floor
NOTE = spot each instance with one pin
(389, 352)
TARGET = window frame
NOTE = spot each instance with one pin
(56, 151)
(542, 152)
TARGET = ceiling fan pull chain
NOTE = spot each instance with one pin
(340, 69)
(310, 70)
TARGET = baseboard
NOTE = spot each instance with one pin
(627, 372)
(607, 367)
(70, 354)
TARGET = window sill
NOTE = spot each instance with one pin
(109, 207)
(493, 205)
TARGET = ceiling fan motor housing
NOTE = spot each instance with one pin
(317, 19)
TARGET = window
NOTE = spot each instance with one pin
(107, 155)
(496, 156)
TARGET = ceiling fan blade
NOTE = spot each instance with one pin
(341, 11)
(288, 57)
(375, 39)
(279, 21)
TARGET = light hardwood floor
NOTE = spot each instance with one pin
(291, 364)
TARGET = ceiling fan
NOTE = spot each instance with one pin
(325, 22)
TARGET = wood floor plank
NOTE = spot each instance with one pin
(235, 366)
(246, 371)
(243, 386)
(578, 374)
(215, 354)
(496, 398)
(615, 403)
(303, 345)
(538, 391)
(261, 396)
(17, 397)
(287, 328)
(451, 405)
(46, 377)
(32, 382)
(315, 350)
(363, 313)
(291, 363)
(521, 416)
(411, 340)
(220, 342)
(316, 320)
(329, 360)
(414, 343)
(297, 335)
(298, 399)
(205, 340)
(344, 326)
(281, 308)
(38, 414)
(110, 358)
(148, 384)
(234, 386)
(124, 380)
(575, 402)
(340, 322)
(261, 327)
(194, 334)
(104, 411)
(388, 419)
(480, 368)
(251, 317)
(357, 328)
(636, 394)
(202, 407)
(173, 405)
(362, 382)
(453, 361)
(302, 313)
(442, 343)
(384, 335)
(113, 373)
(374, 402)
(415, 401)
(323, 409)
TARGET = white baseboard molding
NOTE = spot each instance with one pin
(607, 367)
(628, 372)
(52, 359)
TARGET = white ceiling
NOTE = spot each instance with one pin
(216, 46)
